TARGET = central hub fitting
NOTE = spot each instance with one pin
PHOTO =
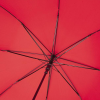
(50, 63)
(51, 59)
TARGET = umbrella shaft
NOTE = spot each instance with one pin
(39, 86)
(45, 73)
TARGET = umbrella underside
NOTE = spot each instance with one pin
(49, 50)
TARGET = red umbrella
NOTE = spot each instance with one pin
(49, 49)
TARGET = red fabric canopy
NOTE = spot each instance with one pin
(33, 30)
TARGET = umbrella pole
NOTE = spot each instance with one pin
(45, 73)
(39, 86)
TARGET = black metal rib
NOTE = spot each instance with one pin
(67, 81)
(66, 74)
(7, 88)
(68, 77)
(35, 41)
(21, 79)
(25, 52)
(37, 38)
(56, 29)
(31, 73)
(70, 48)
(26, 27)
(79, 63)
(79, 66)
(78, 41)
(26, 56)
(10, 13)
(33, 70)
(48, 82)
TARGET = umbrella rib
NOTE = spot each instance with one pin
(56, 29)
(70, 48)
(25, 55)
(28, 74)
(35, 41)
(65, 74)
(68, 78)
(48, 82)
(79, 66)
(25, 52)
(26, 27)
(32, 71)
(79, 63)
(67, 81)
(76, 43)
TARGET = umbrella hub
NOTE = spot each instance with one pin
(50, 63)
(51, 59)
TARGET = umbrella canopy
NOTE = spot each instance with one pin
(49, 49)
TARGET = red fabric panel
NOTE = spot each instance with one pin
(77, 19)
(38, 16)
